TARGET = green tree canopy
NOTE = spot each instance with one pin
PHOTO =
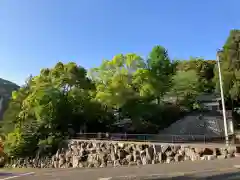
(66, 98)
(230, 66)
(51, 107)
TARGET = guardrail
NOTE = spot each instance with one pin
(163, 138)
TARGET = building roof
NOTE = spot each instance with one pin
(208, 97)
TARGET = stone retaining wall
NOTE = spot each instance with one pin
(103, 154)
(87, 154)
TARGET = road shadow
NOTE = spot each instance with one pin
(6, 174)
(225, 176)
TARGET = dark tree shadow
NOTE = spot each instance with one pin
(224, 176)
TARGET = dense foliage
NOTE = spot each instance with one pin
(66, 99)
(6, 88)
(230, 65)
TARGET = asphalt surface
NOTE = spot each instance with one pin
(214, 170)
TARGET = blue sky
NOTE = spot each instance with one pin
(38, 33)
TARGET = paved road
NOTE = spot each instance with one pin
(227, 174)
(176, 171)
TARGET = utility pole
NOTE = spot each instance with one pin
(223, 102)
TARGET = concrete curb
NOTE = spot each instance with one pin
(144, 177)
(167, 175)
(147, 177)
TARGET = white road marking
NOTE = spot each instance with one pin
(20, 175)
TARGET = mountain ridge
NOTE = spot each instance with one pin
(6, 89)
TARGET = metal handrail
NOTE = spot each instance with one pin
(165, 138)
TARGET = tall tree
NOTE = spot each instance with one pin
(162, 70)
(185, 83)
(230, 66)
(51, 107)
(114, 79)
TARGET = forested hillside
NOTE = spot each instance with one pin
(153, 93)
(6, 89)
